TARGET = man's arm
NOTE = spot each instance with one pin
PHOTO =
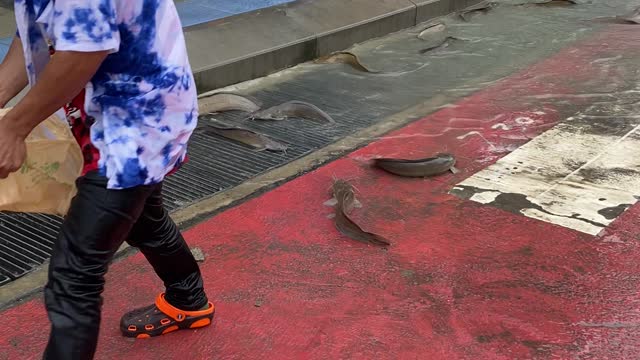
(13, 75)
(63, 78)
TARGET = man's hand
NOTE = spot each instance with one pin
(13, 150)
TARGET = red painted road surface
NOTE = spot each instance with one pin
(461, 281)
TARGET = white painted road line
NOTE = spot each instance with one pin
(581, 174)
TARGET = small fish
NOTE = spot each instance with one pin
(557, 3)
(620, 20)
(344, 193)
(483, 7)
(244, 136)
(632, 17)
(432, 166)
(294, 109)
(432, 30)
(220, 102)
(444, 43)
(345, 57)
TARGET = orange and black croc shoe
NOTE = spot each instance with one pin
(162, 318)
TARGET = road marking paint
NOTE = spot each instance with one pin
(581, 174)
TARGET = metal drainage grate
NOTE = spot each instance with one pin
(26, 241)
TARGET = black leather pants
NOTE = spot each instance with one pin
(98, 222)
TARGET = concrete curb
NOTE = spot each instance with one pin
(255, 44)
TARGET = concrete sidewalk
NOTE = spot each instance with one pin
(192, 12)
(234, 41)
(462, 280)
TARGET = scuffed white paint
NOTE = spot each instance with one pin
(485, 197)
(573, 178)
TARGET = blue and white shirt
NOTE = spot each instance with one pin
(143, 98)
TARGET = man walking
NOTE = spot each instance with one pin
(120, 70)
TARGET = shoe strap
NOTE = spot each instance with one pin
(177, 314)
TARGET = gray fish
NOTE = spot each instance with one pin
(620, 20)
(294, 109)
(436, 165)
(632, 17)
(444, 43)
(348, 58)
(432, 30)
(557, 3)
(244, 136)
(220, 102)
(343, 192)
(483, 7)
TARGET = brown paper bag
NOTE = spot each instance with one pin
(46, 181)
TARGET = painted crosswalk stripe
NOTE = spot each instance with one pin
(582, 174)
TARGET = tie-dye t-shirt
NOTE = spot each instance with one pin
(142, 101)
